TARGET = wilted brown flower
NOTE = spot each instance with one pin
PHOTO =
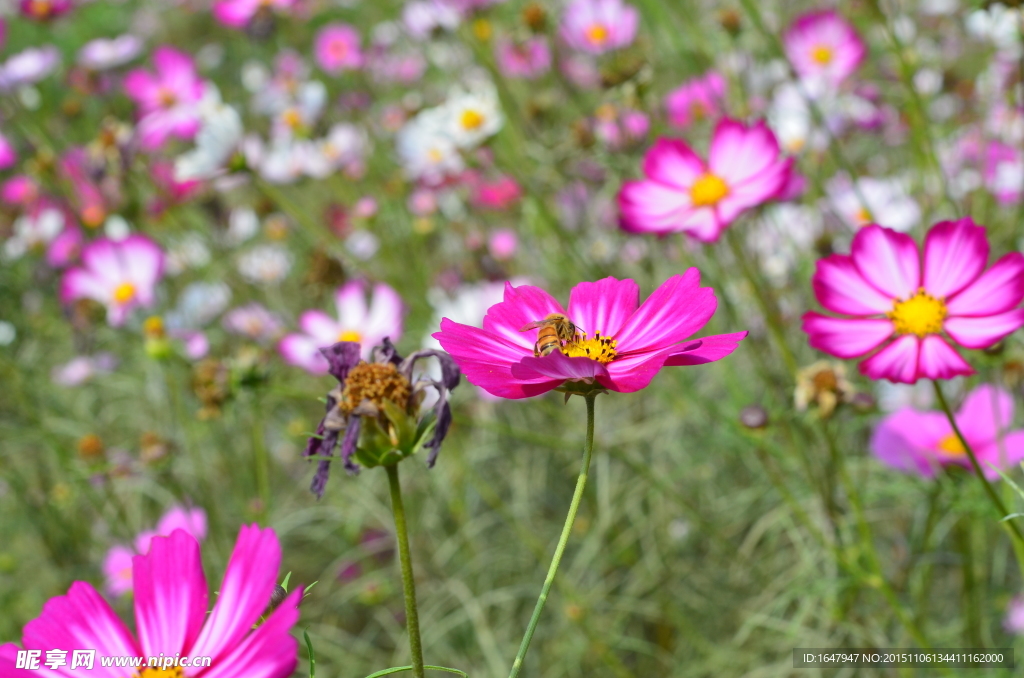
(823, 384)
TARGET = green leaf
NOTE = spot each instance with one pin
(287, 578)
(312, 657)
(305, 591)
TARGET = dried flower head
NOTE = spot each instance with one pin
(823, 384)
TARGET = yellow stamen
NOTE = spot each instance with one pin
(952, 445)
(155, 672)
(166, 97)
(708, 190)
(153, 327)
(822, 55)
(350, 335)
(471, 119)
(40, 8)
(597, 34)
(124, 293)
(93, 216)
(921, 314)
(863, 216)
(601, 349)
(292, 118)
(434, 155)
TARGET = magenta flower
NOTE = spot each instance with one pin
(598, 26)
(823, 47)
(44, 10)
(168, 100)
(171, 617)
(356, 322)
(921, 442)
(696, 99)
(121, 275)
(8, 156)
(621, 345)
(682, 193)
(117, 565)
(527, 60)
(238, 13)
(337, 48)
(909, 304)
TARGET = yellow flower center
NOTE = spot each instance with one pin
(471, 119)
(601, 349)
(350, 335)
(482, 30)
(93, 216)
(698, 111)
(40, 8)
(921, 314)
(863, 216)
(951, 445)
(597, 34)
(434, 155)
(292, 118)
(153, 327)
(156, 672)
(166, 97)
(124, 293)
(708, 190)
(822, 55)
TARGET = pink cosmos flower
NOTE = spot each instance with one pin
(117, 565)
(253, 321)
(682, 193)
(44, 10)
(337, 48)
(171, 618)
(621, 344)
(598, 26)
(168, 100)
(503, 244)
(119, 274)
(88, 199)
(921, 442)
(528, 60)
(823, 47)
(1014, 620)
(238, 13)
(696, 100)
(355, 322)
(20, 190)
(903, 305)
(8, 156)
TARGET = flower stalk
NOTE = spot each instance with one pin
(412, 618)
(570, 518)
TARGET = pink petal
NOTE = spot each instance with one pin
(673, 312)
(998, 289)
(170, 594)
(244, 594)
(986, 411)
(320, 327)
(845, 337)
(351, 301)
(385, 318)
(903, 440)
(673, 163)
(303, 351)
(1006, 454)
(522, 305)
(143, 261)
(738, 154)
(841, 288)
(888, 260)
(897, 362)
(192, 521)
(984, 331)
(709, 350)
(955, 253)
(938, 360)
(652, 207)
(268, 652)
(117, 568)
(603, 306)
(79, 283)
(558, 366)
(81, 620)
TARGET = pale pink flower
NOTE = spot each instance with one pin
(598, 26)
(238, 13)
(697, 99)
(121, 274)
(44, 10)
(823, 47)
(356, 322)
(168, 100)
(8, 156)
(29, 66)
(117, 565)
(337, 48)
(922, 442)
(902, 305)
(503, 244)
(1014, 620)
(683, 193)
(173, 616)
(253, 321)
(528, 60)
(102, 54)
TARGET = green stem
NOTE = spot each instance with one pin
(581, 482)
(989, 490)
(412, 619)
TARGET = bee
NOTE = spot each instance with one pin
(555, 330)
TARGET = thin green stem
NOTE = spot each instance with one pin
(581, 483)
(989, 490)
(412, 618)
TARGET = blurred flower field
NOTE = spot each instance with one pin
(758, 262)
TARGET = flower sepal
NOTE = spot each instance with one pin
(581, 388)
(380, 447)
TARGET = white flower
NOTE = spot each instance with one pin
(888, 203)
(242, 225)
(190, 251)
(472, 116)
(297, 115)
(265, 264)
(423, 17)
(33, 230)
(101, 54)
(29, 66)
(218, 140)
(427, 153)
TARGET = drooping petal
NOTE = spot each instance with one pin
(938, 360)
(984, 331)
(79, 283)
(709, 349)
(244, 594)
(888, 260)
(558, 366)
(341, 358)
(955, 254)
(841, 288)
(998, 289)
(270, 651)
(845, 337)
(986, 411)
(170, 594)
(897, 362)
(673, 312)
(603, 306)
(522, 305)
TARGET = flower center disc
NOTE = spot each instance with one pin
(350, 335)
(167, 98)
(124, 293)
(40, 8)
(155, 672)
(951, 445)
(921, 314)
(822, 55)
(708, 190)
(375, 382)
(601, 349)
(339, 49)
(597, 34)
(471, 119)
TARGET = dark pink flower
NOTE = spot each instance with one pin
(168, 99)
(337, 48)
(902, 306)
(696, 99)
(621, 345)
(527, 60)
(823, 47)
(44, 10)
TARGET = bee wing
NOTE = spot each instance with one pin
(535, 324)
